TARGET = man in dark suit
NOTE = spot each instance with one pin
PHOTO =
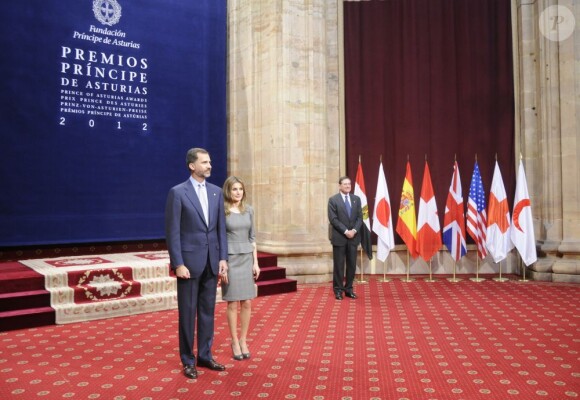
(345, 217)
(196, 240)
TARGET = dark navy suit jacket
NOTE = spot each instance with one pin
(341, 222)
(189, 239)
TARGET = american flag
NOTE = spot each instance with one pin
(476, 215)
(454, 219)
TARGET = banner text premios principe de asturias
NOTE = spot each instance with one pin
(103, 71)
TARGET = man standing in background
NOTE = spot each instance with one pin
(345, 217)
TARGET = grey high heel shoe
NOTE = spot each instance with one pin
(245, 355)
(237, 357)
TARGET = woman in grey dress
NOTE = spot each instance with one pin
(243, 267)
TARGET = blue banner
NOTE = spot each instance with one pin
(100, 100)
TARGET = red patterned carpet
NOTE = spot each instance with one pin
(399, 340)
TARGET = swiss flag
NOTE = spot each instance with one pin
(428, 228)
(498, 240)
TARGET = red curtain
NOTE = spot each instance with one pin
(429, 79)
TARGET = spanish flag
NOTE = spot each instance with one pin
(407, 222)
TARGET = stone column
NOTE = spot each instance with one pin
(569, 84)
(547, 90)
(284, 138)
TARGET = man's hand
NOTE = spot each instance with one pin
(182, 272)
(223, 271)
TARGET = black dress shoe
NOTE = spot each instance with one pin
(190, 371)
(351, 295)
(211, 364)
(338, 295)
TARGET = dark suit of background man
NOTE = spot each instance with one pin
(345, 217)
(196, 239)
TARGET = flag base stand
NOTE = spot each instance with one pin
(477, 278)
(523, 278)
(384, 278)
(500, 278)
(407, 278)
(430, 279)
(454, 278)
(362, 278)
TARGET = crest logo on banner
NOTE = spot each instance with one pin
(107, 12)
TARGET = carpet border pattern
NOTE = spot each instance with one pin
(149, 273)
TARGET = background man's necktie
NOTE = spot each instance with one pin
(347, 205)
(203, 200)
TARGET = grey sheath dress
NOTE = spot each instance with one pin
(240, 234)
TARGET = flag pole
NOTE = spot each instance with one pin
(362, 279)
(454, 279)
(407, 279)
(522, 243)
(430, 279)
(523, 267)
(500, 279)
(477, 278)
(384, 278)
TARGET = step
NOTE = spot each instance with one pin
(267, 259)
(269, 273)
(20, 281)
(12, 266)
(276, 286)
(23, 300)
(29, 318)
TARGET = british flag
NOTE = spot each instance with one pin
(454, 220)
(476, 214)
